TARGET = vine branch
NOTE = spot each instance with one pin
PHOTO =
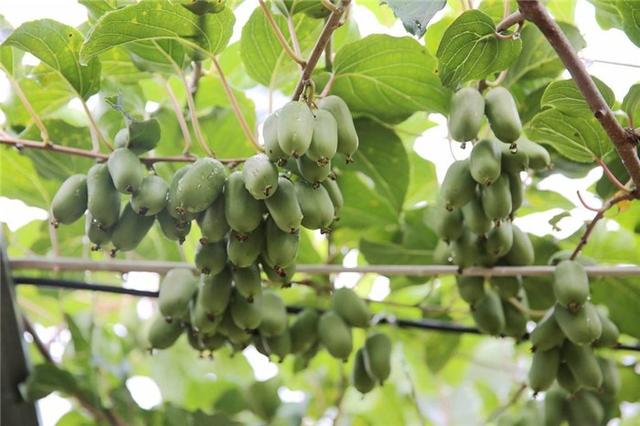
(333, 22)
(280, 36)
(623, 140)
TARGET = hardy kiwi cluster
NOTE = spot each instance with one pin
(249, 221)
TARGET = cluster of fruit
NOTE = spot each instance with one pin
(563, 343)
(478, 199)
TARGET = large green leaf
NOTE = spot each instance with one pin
(607, 14)
(394, 254)
(415, 15)
(622, 297)
(630, 14)
(58, 46)
(152, 20)
(470, 49)
(19, 180)
(389, 78)
(264, 58)
(565, 96)
(631, 103)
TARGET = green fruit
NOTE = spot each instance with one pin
(610, 376)
(262, 398)
(98, 236)
(280, 345)
(103, 200)
(507, 287)
(585, 410)
(172, 228)
(212, 223)
(555, 401)
(242, 212)
(583, 364)
(547, 333)
(484, 161)
(211, 258)
(521, 253)
(465, 250)
(496, 199)
(243, 250)
(139, 136)
(570, 284)
(362, 381)
(335, 335)
(500, 239)
(176, 291)
(280, 248)
(200, 185)
(566, 379)
(335, 194)
(304, 330)
(543, 369)
(274, 315)
(514, 160)
(70, 202)
(377, 356)
(324, 142)
(538, 156)
(316, 206)
(246, 315)
(351, 308)
(202, 7)
(235, 334)
(458, 186)
(247, 281)
(270, 136)
(213, 342)
(501, 110)
(471, 289)
(214, 294)
(448, 225)
(516, 188)
(610, 332)
(465, 114)
(475, 218)
(581, 327)
(260, 176)
(130, 229)
(163, 334)
(151, 197)
(295, 128)
(515, 322)
(126, 170)
(283, 206)
(347, 136)
(442, 254)
(202, 321)
(174, 202)
(311, 171)
(282, 275)
(488, 313)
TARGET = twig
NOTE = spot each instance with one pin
(591, 226)
(510, 20)
(498, 81)
(180, 117)
(20, 144)
(623, 141)
(612, 178)
(584, 203)
(197, 75)
(96, 134)
(512, 401)
(236, 106)
(27, 105)
(333, 22)
(278, 33)
(294, 37)
(327, 88)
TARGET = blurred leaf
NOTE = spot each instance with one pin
(439, 348)
(630, 384)
(394, 254)
(631, 103)
(47, 378)
(612, 246)
(629, 12)
(622, 297)
(415, 15)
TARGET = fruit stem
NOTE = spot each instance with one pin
(180, 117)
(280, 36)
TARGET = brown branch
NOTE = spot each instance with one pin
(623, 141)
(509, 21)
(279, 35)
(591, 226)
(20, 144)
(333, 22)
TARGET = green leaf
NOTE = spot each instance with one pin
(415, 15)
(622, 297)
(8, 58)
(394, 254)
(538, 60)
(388, 78)
(630, 14)
(470, 50)
(152, 20)
(58, 46)
(263, 56)
(47, 378)
(631, 103)
(612, 246)
(21, 181)
(580, 139)
(565, 96)
(607, 14)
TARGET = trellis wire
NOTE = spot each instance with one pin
(424, 324)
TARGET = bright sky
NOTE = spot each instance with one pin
(431, 145)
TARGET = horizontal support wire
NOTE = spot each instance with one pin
(424, 323)
(161, 267)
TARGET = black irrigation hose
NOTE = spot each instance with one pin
(425, 324)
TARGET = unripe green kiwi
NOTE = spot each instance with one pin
(211, 258)
(70, 202)
(176, 290)
(351, 308)
(361, 379)
(126, 170)
(260, 176)
(543, 369)
(378, 356)
(335, 335)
